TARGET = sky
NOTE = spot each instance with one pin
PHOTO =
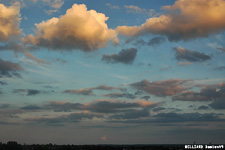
(112, 72)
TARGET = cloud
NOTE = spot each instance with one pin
(145, 97)
(4, 106)
(31, 107)
(119, 95)
(131, 114)
(39, 61)
(125, 56)
(184, 63)
(203, 107)
(30, 92)
(185, 20)
(172, 117)
(190, 55)
(112, 6)
(73, 117)
(54, 5)
(207, 93)
(156, 41)
(3, 83)
(9, 69)
(218, 104)
(77, 29)
(101, 105)
(152, 42)
(220, 68)
(89, 91)
(222, 49)
(9, 21)
(79, 92)
(161, 88)
(138, 10)
(134, 9)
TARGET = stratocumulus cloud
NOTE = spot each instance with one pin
(185, 20)
(161, 88)
(79, 28)
(125, 56)
(9, 69)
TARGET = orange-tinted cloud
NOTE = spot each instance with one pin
(186, 19)
(79, 28)
(9, 21)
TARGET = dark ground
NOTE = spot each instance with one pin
(12, 145)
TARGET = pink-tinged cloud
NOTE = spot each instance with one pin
(185, 20)
(207, 93)
(161, 88)
(79, 28)
(9, 21)
(80, 92)
(39, 61)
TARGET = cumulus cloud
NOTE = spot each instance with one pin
(125, 56)
(190, 55)
(9, 69)
(79, 28)
(9, 21)
(184, 20)
(161, 88)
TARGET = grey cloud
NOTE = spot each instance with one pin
(158, 109)
(207, 93)
(31, 92)
(161, 88)
(101, 106)
(3, 106)
(156, 41)
(125, 56)
(203, 107)
(71, 118)
(145, 97)
(220, 68)
(9, 69)
(3, 83)
(31, 107)
(218, 104)
(119, 95)
(172, 117)
(131, 114)
(222, 49)
(190, 55)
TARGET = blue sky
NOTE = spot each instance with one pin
(112, 72)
